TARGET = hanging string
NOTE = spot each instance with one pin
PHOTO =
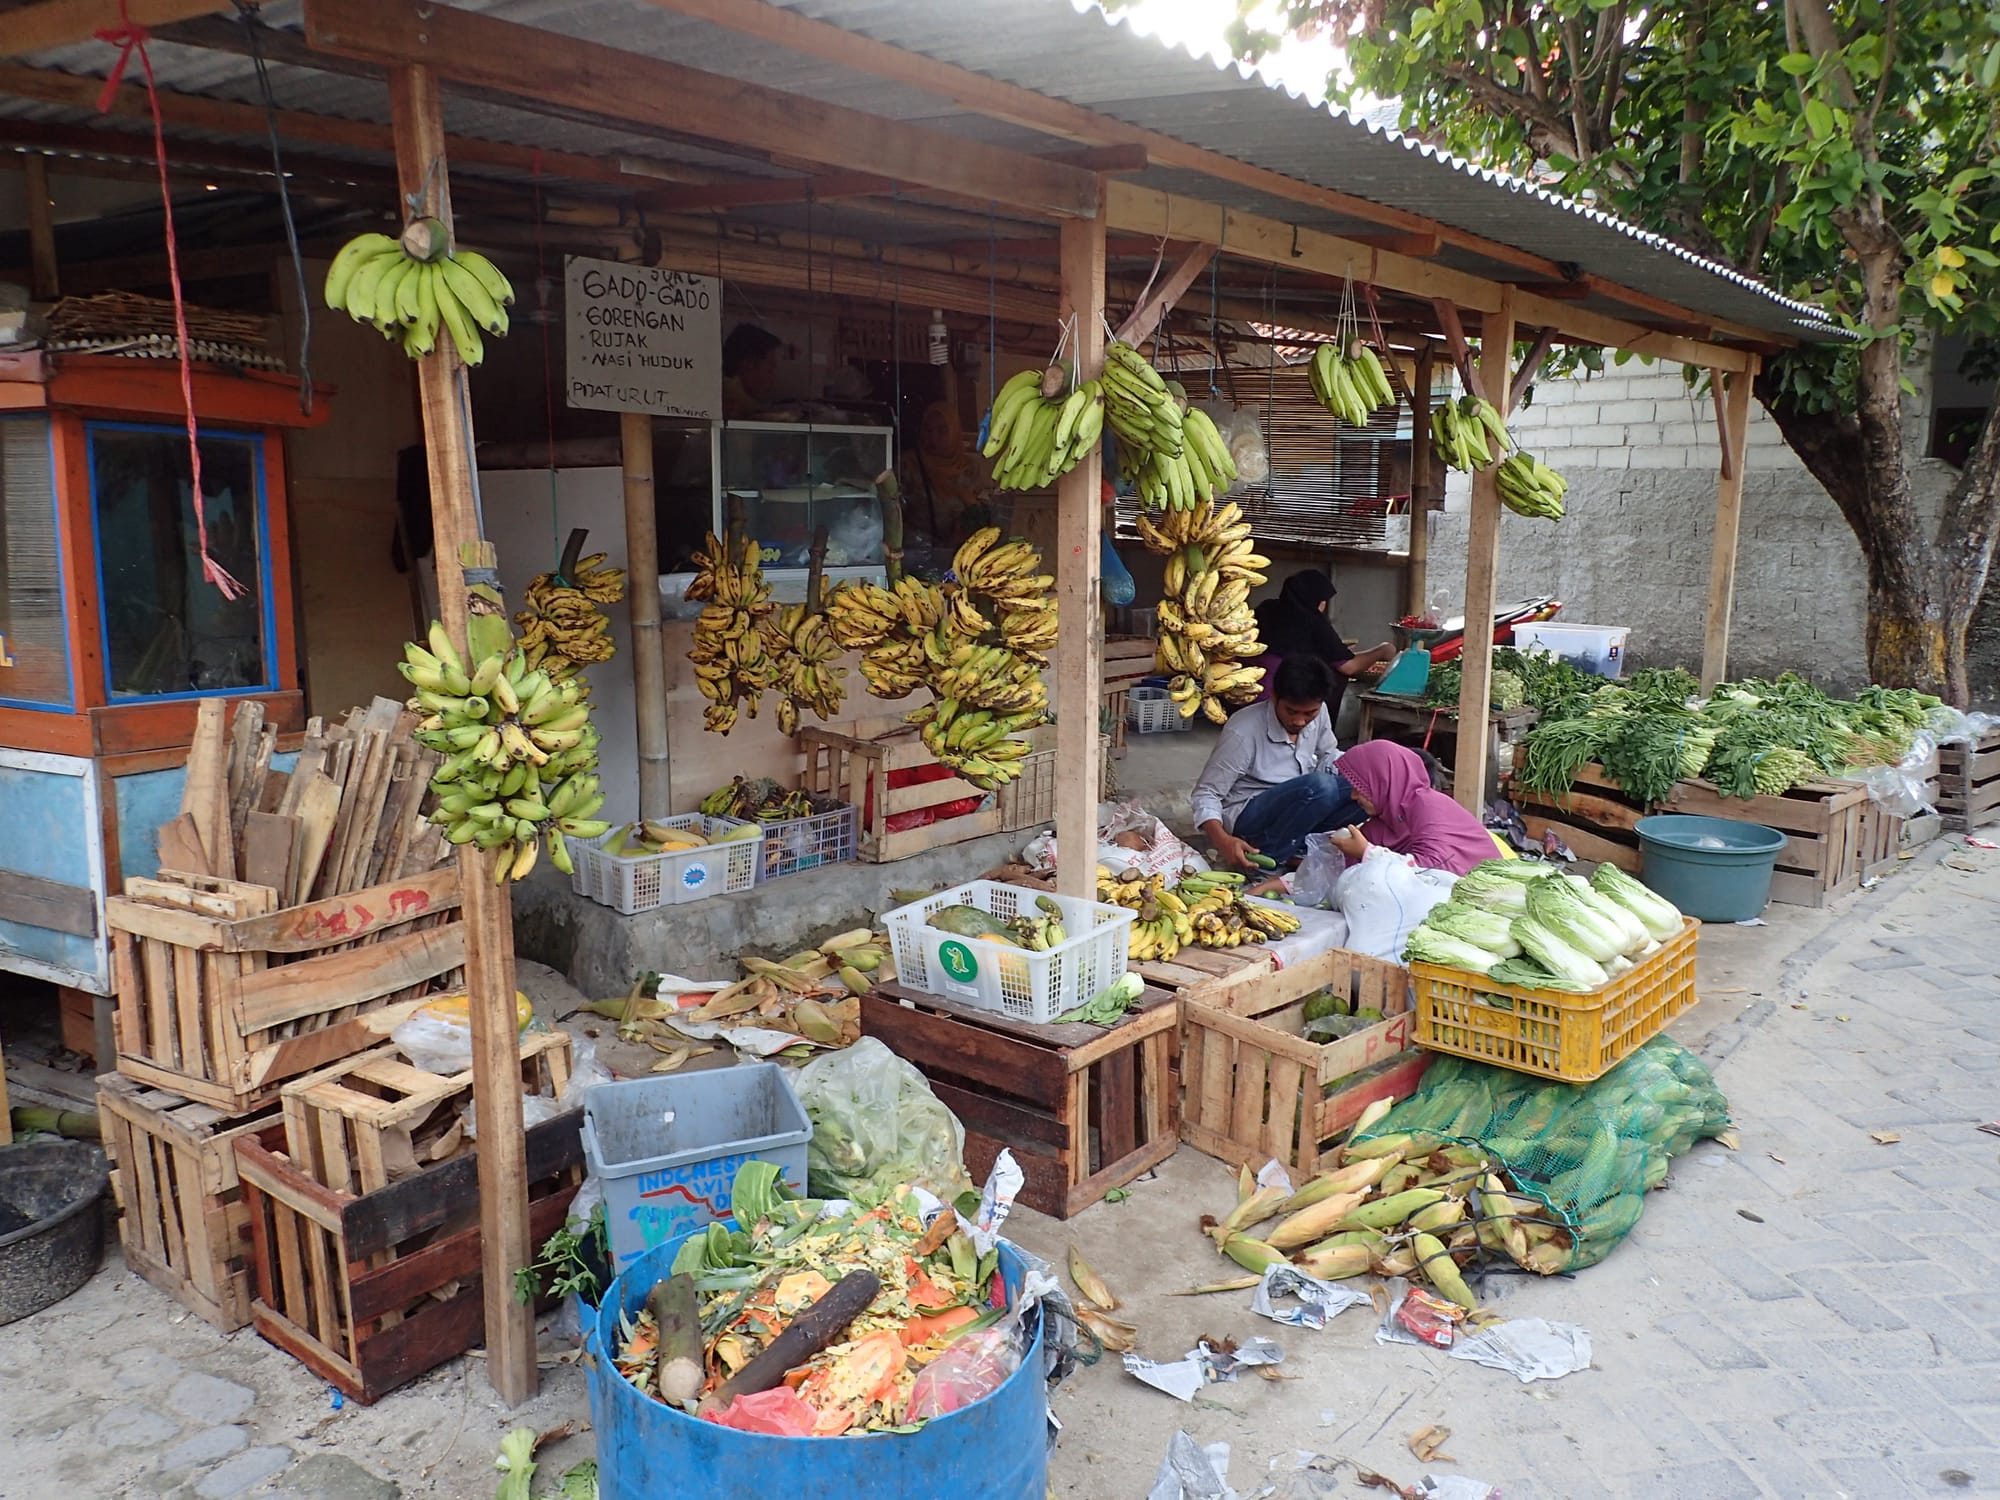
(992, 326)
(548, 372)
(130, 38)
(1214, 325)
(250, 25)
(896, 330)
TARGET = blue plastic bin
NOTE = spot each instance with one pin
(667, 1149)
(995, 1449)
(1713, 869)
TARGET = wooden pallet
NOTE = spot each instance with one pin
(370, 1291)
(1969, 784)
(374, 1119)
(182, 1221)
(1255, 1089)
(1029, 800)
(1083, 1108)
(221, 998)
(857, 765)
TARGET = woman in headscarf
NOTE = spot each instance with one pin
(941, 478)
(1406, 815)
(1295, 623)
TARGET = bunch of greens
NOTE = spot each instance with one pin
(573, 1261)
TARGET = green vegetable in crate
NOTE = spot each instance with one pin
(1659, 916)
(1498, 885)
(1562, 958)
(1108, 1005)
(970, 922)
(1746, 770)
(1487, 929)
(1428, 945)
(1637, 939)
(1556, 906)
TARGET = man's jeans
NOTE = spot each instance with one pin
(1276, 822)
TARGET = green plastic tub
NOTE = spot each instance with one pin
(1713, 869)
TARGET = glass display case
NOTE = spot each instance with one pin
(786, 479)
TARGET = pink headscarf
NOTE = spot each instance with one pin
(1410, 816)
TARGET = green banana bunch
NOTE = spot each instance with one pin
(1038, 438)
(1349, 381)
(375, 280)
(520, 752)
(1468, 434)
(1529, 487)
(1139, 406)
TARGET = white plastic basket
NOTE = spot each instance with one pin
(1598, 649)
(1151, 710)
(632, 883)
(1016, 982)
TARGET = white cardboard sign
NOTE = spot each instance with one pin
(643, 339)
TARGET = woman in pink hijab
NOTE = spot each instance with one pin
(1406, 814)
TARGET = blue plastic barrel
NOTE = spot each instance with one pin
(1713, 869)
(996, 1448)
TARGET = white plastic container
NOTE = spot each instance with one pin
(1598, 649)
(1151, 710)
(1016, 982)
(632, 883)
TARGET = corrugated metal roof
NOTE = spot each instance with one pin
(1050, 47)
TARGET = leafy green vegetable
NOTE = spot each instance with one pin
(1551, 754)
(1556, 906)
(1476, 925)
(579, 1481)
(517, 1462)
(1636, 936)
(1659, 916)
(1108, 1005)
(1428, 945)
(1574, 968)
(1526, 974)
(758, 1189)
(1492, 887)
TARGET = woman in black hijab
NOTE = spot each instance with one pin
(1295, 623)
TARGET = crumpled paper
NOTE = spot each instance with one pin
(1530, 1349)
(1317, 1300)
(1192, 1472)
(1202, 1365)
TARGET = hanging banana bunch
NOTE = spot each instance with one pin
(1137, 404)
(520, 750)
(562, 628)
(410, 287)
(1349, 381)
(1467, 434)
(802, 644)
(1038, 438)
(1529, 487)
(1207, 632)
(731, 663)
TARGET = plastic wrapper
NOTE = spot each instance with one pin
(1115, 580)
(1384, 898)
(876, 1124)
(1950, 726)
(435, 1044)
(1243, 434)
(975, 1365)
(585, 1074)
(778, 1412)
(855, 538)
(1903, 790)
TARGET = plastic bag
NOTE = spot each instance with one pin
(1115, 581)
(1317, 880)
(1948, 726)
(876, 1124)
(1385, 898)
(434, 1044)
(1902, 790)
(855, 538)
(975, 1365)
(1243, 434)
(585, 1074)
(778, 1412)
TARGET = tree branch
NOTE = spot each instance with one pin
(1538, 83)
(1867, 125)
(1822, 41)
(1546, 127)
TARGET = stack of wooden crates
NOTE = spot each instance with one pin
(254, 1110)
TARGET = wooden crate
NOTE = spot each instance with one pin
(374, 1119)
(1255, 1089)
(1029, 800)
(1969, 783)
(1083, 1108)
(182, 1220)
(370, 1291)
(222, 1001)
(1111, 719)
(1128, 661)
(855, 764)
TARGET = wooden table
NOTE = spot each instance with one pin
(1410, 718)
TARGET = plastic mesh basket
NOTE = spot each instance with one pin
(1150, 710)
(1028, 986)
(825, 837)
(632, 883)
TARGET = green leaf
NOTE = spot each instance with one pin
(1798, 64)
(1819, 118)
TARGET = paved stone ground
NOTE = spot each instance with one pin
(1812, 1316)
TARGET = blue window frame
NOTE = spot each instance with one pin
(168, 632)
(35, 667)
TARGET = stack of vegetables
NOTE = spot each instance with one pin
(1749, 739)
(1532, 926)
(790, 1281)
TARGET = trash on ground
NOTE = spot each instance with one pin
(1530, 1349)
(1192, 1472)
(1210, 1362)
(1428, 1444)
(1317, 1300)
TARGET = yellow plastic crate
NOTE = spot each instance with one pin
(1555, 1033)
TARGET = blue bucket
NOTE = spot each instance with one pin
(1713, 869)
(996, 1448)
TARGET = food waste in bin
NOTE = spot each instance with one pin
(818, 1319)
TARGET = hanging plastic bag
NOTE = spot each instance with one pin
(1243, 433)
(1116, 582)
(1385, 898)
(1318, 879)
(877, 1124)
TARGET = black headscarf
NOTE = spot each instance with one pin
(1293, 625)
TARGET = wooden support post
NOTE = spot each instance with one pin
(1732, 410)
(1416, 576)
(1482, 571)
(642, 598)
(43, 282)
(488, 908)
(1079, 608)
(1159, 301)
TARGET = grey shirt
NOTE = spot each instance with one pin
(1254, 754)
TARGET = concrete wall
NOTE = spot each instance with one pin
(1640, 451)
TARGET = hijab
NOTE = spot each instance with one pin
(1411, 817)
(1292, 624)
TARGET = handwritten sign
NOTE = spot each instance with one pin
(643, 339)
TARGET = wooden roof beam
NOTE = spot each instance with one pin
(63, 23)
(1140, 210)
(527, 62)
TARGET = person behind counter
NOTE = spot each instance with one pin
(1295, 623)
(1271, 780)
(941, 478)
(749, 370)
(1406, 815)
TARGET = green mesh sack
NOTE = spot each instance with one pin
(1589, 1151)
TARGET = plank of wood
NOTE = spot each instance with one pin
(269, 842)
(1482, 570)
(246, 735)
(206, 794)
(38, 902)
(318, 809)
(1732, 410)
(181, 846)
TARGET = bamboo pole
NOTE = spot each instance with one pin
(488, 908)
(1733, 408)
(43, 280)
(642, 600)
(1416, 577)
(1482, 572)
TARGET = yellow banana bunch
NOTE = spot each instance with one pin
(803, 645)
(375, 280)
(1348, 380)
(1037, 437)
(1207, 632)
(562, 628)
(520, 752)
(732, 666)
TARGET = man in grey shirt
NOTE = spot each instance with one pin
(1270, 780)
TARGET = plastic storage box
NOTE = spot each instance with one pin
(1589, 648)
(825, 836)
(1151, 710)
(1016, 982)
(634, 883)
(667, 1149)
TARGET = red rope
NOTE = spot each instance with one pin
(129, 38)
